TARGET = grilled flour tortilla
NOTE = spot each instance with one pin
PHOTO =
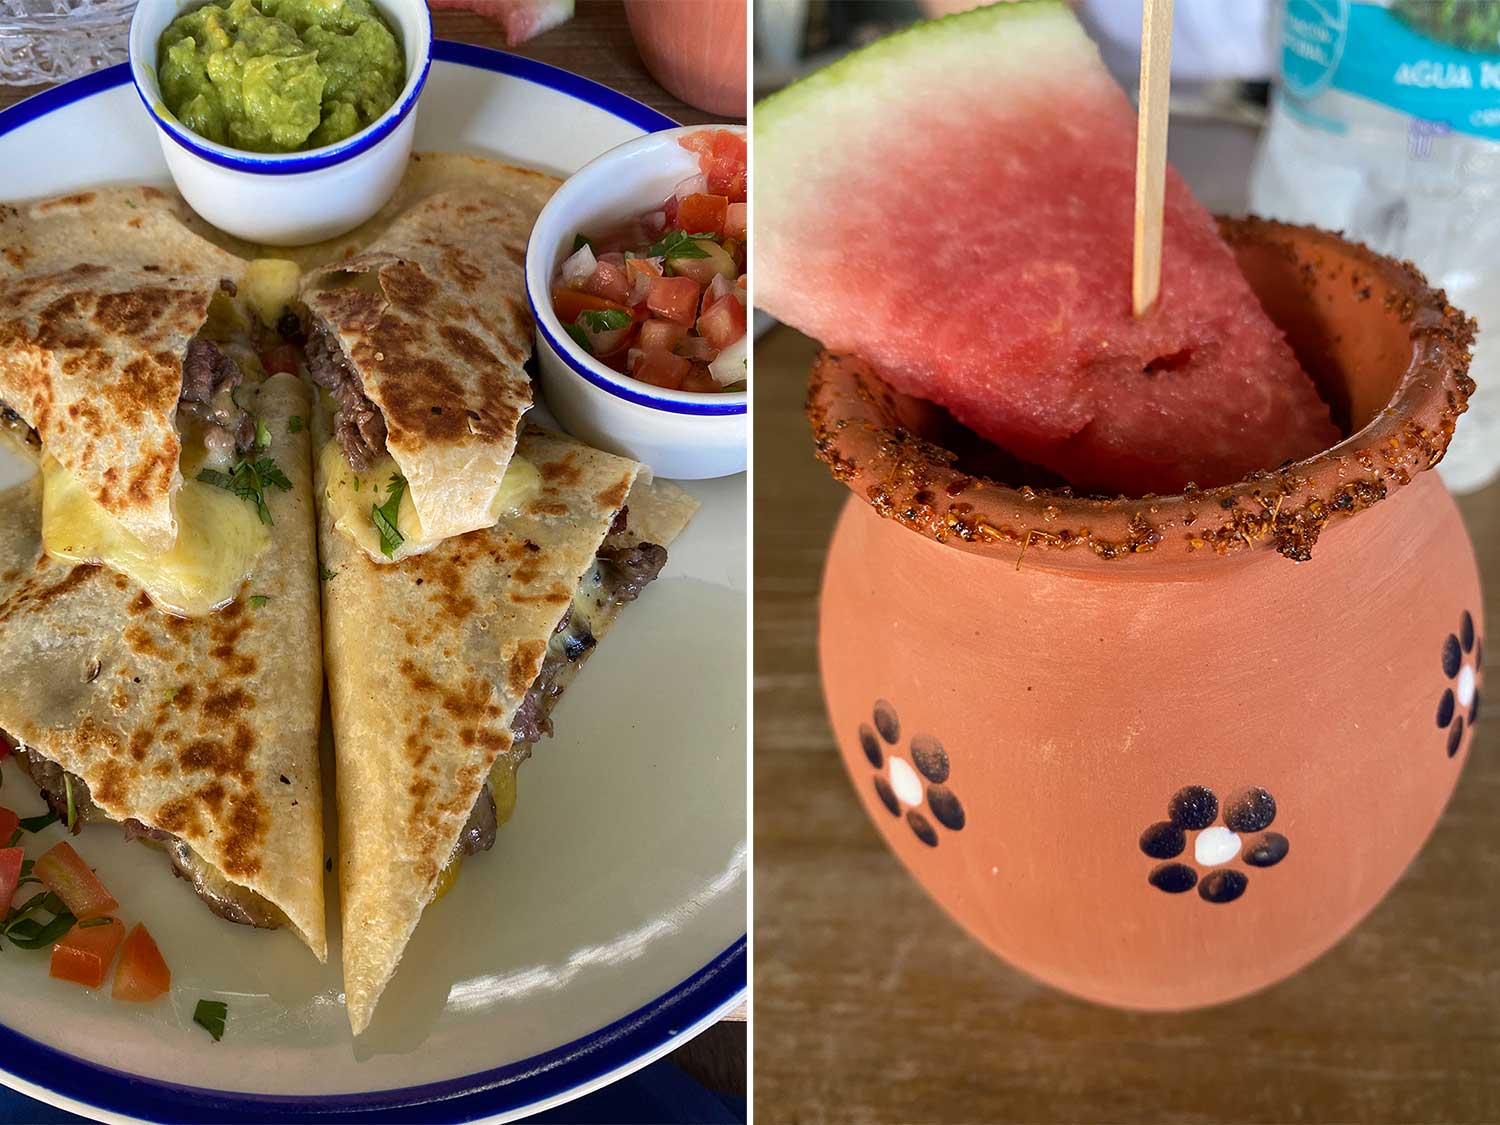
(199, 734)
(419, 339)
(443, 669)
(100, 293)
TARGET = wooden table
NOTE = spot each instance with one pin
(871, 1005)
(595, 43)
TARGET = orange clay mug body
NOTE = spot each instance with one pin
(1163, 752)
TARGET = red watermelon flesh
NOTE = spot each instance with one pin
(954, 204)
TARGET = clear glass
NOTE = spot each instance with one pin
(47, 41)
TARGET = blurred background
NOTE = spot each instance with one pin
(1309, 111)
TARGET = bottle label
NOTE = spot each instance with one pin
(1436, 62)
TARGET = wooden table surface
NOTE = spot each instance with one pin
(595, 43)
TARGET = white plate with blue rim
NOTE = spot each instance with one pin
(607, 926)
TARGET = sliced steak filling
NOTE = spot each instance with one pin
(358, 424)
(209, 378)
(618, 576)
(13, 424)
(228, 900)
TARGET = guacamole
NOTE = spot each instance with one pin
(279, 75)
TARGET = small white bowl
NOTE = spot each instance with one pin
(286, 199)
(680, 434)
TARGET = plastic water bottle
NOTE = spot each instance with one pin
(1386, 125)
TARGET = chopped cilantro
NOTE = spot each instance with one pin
(248, 480)
(580, 241)
(262, 434)
(258, 600)
(25, 931)
(37, 823)
(604, 320)
(680, 244)
(15, 838)
(294, 424)
(72, 810)
(385, 516)
(327, 575)
(209, 1015)
(104, 921)
(580, 337)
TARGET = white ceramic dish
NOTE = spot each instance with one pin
(607, 925)
(296, 197)
(678, 433)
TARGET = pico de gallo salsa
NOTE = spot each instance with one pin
(662, 297)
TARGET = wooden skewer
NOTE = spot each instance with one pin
(1151, 153)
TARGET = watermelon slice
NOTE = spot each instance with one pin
(521, 19)
(954, 204)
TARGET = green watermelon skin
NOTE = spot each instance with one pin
(954, 204)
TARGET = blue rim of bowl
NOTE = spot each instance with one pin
(292, 163)
(630, 1041)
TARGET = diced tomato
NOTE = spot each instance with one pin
(721, 157)
(610, 282)
(9, 822)
(568, 303)
(703, 214)
(64, 873)
(675, 298)
(83, 956)
(736, 220)
(663, 369)
(700, 381)
(723, 323)
(280, 359)
(660, 335)
(10, 876)
(696, 348)
(143, 974)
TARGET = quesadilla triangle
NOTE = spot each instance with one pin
(443, 670)
(419, 340)
(100, 294)
(198, 735)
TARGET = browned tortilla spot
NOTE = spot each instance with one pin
(213, 795)
(613, 497)
(407, 286)
(77, 199)
(523, 666)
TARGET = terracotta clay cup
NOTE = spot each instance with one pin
(1162, 752)
(695, 49)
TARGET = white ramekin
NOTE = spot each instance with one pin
(679, 434)
(290, 198)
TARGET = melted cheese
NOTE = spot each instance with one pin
(270, 288)
(219, 539)
(348, 497)
(503, 787)
(226, 320)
